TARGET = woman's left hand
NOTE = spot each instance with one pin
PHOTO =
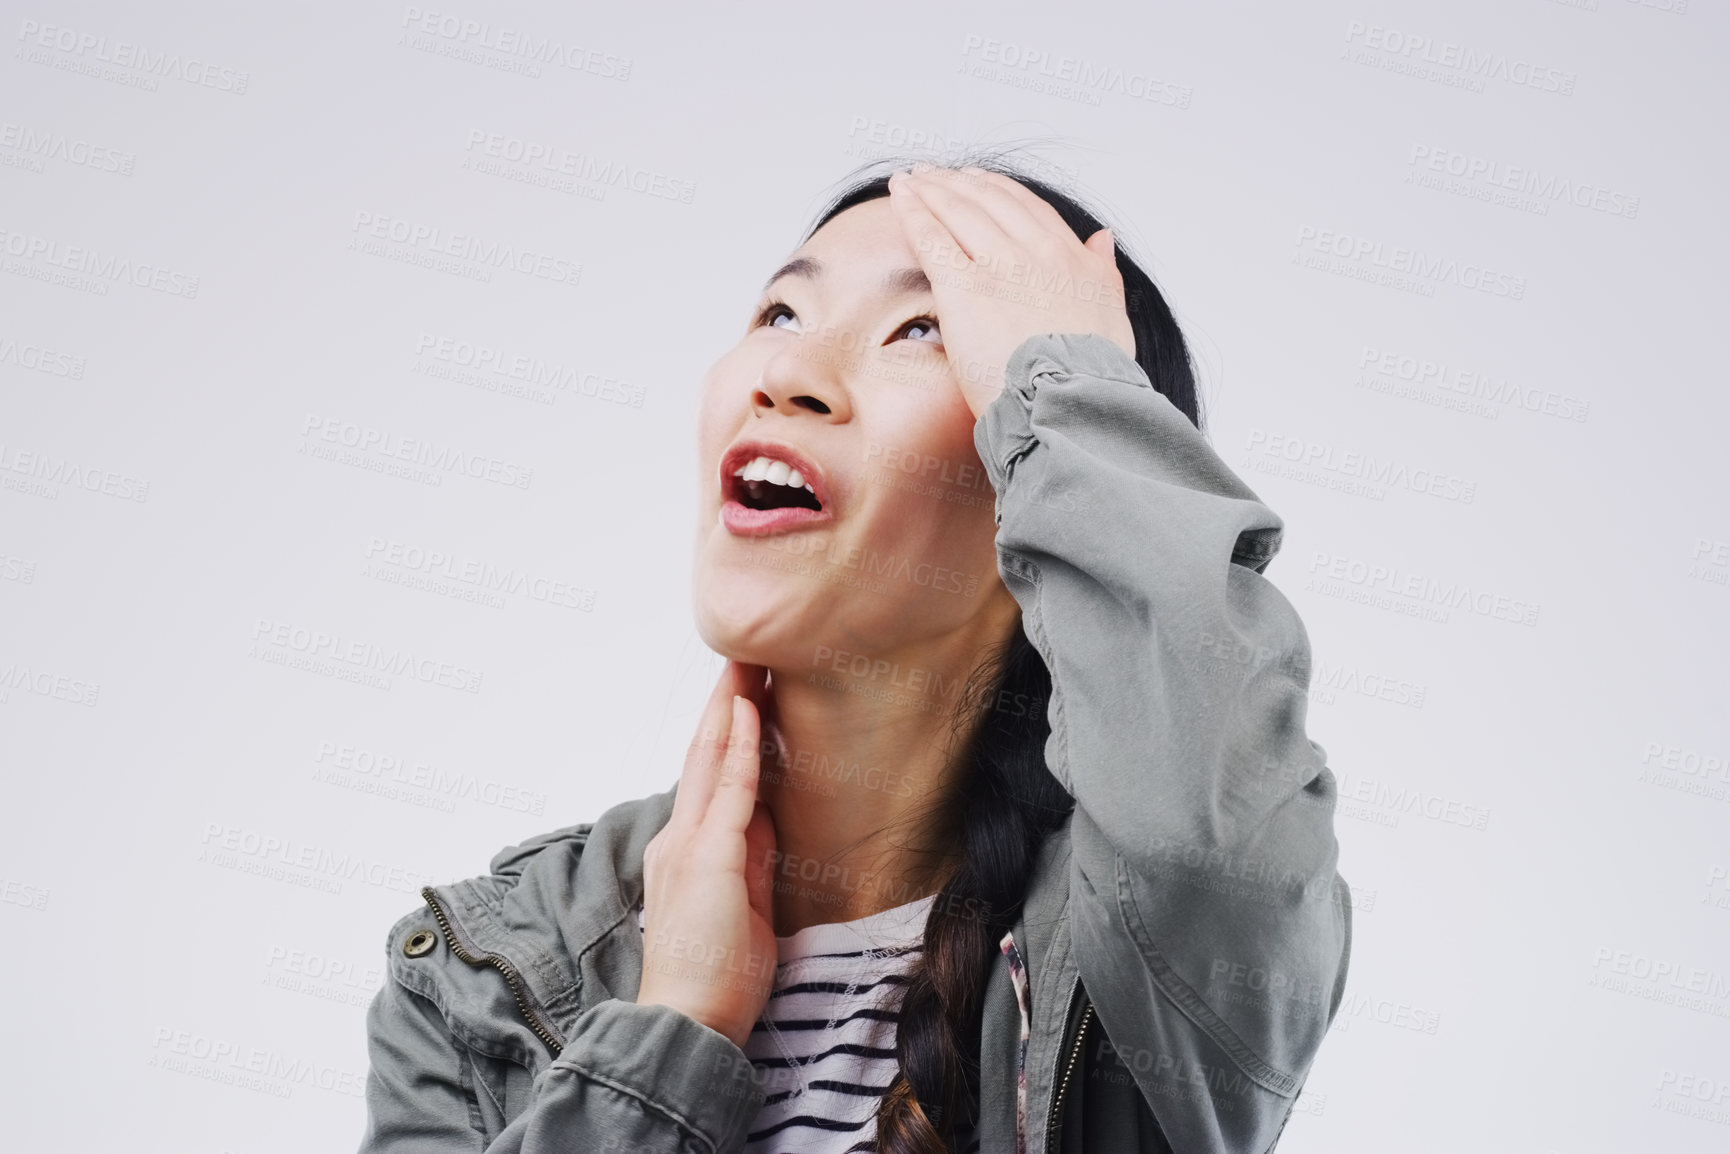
(1004, 267)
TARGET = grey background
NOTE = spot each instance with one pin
(197, 879)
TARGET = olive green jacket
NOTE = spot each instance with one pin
(1183, 943)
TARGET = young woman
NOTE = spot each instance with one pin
(1001, 830)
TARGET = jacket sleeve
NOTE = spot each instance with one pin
(632, 1080)
(1209, 923)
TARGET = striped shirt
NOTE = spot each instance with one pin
(824, 1047)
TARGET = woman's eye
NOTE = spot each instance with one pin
(922, 329)
(775, 311)
(777, 314)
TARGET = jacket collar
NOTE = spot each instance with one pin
(572, 935)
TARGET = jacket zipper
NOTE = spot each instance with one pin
(537, 1021)
(1056, 1112)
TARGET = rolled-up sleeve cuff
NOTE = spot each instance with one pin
(1004, 431)
(671, 1062)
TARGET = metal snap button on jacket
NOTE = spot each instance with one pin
(420, 943)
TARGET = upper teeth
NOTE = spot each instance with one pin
(773, 471)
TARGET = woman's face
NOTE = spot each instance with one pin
(840, 382)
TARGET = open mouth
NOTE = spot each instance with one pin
(769, 488)
(765, 483)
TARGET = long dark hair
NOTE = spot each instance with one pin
(1009, 801)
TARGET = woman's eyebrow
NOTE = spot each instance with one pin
(900, 282)
(907, 282)
(804, 266)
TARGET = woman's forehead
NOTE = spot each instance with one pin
(868, 232)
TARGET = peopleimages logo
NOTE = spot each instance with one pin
(1405, 799)
(1408, 262)
(361, 656)
(581, 166)
(1329, 574)
(539, 377)
(1069, 76)
(1372, 471)
(38, 146)
(402, 778)
(257, 1068)
(1467, 384)
(87, 46)
(15, 676)
(429, 241)
(1670, 972)
(287, 859)
(40, 359)
(1546, 186)
(104, 267)
(416, 451)
(54, 471)
(480, 574)
(1401, 51)
(518, 43)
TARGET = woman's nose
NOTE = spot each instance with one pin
(794, 382)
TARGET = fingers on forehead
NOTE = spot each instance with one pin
(970, 219)
(927, 229)
(1006, 191)
(985, 178)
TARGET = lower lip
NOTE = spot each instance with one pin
(745, 522)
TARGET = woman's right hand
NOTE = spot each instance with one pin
(708, 906)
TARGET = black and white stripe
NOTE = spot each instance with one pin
(824, 1048)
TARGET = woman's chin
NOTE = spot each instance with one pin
(744, 625)
(776, 619)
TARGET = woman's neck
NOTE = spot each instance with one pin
(861, 768)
